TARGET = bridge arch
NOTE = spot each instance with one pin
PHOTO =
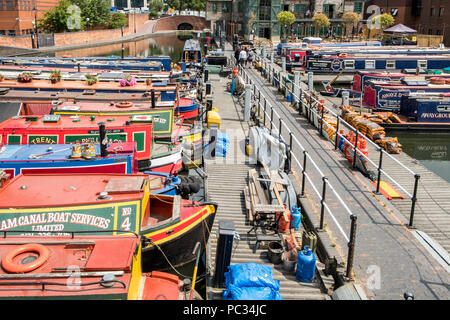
(177, 22)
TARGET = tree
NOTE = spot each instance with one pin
(97, 11)
(118, 20)
(384, 21)
(321, 21)
(350, 19)
(175, 4)
(155, 5)
(55, 20)
(286, 19)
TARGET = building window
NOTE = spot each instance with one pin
(430, 31)
(358, 7)
(240, 6)
(441, 11)
(2, 32)
(214, 7)
(370, 64)
(432, 12)
(422, 64)
(349, 64)
(300, 8)
(11, 33)
(264, 10)
(390, 64)
(438, 32)
(225, 7)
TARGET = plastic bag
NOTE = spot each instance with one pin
(250, 275)
(250, 293)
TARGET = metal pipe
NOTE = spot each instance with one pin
(336, 138)
(351, 247)
(356, 148)
(152, 92)
(379, 170)
(322, 201)
(414, 199)
(303, 171)
(103, 140)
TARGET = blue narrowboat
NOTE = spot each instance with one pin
(380, 95)
(422, 108)
(351, 63)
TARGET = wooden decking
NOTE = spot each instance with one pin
(227, 178)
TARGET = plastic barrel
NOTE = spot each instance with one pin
(306, 265)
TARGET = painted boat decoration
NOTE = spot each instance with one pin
(317, 44)
(382, 95)
(54, 129)
(351, 63)
(80, 267)
(72, 62)
(107, 204)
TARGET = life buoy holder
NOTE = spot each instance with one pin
(10, 266)
(124, 104)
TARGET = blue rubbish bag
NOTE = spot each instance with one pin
(251, 293)
(251, 275)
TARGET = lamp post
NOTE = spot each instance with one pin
(18, 25)
(87, 23)
(32, 35)
(35, 25)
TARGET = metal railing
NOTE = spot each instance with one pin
(308, 106)
(271, 119)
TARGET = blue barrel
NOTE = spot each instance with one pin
(288, 98)
(306, 265)
(296, 218)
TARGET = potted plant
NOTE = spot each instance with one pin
(25, 77)
(128, 81)
(55, 76)
(2, 77)
(91, 79)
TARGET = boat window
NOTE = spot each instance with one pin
(422, 64)
(349, 64)
(390, 64)
(370, 64)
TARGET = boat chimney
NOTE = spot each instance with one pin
(153, 98)
(103, 141)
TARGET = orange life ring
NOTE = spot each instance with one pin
(342, 55)
(124, 104)
(10, 266)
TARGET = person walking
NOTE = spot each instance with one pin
(251, 58)
(236, 54)
(243, 58)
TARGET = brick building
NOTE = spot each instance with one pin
(426, 16)
(259, 17)
(17, 16)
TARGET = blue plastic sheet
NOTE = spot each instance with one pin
(251, 275)
(251, 293)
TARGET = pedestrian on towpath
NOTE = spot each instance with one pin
(243, 58)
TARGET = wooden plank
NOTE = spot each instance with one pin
(277, 194)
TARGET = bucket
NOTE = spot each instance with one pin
(289, 261)
(274, 252)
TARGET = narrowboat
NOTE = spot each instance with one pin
(361, 78)
(107, 204)
(73, 62)
(185, 107)
(192, 53)
(383, 95)
(316, 43)
(95, 267)
(351, 63)
(424, 109)
(55, 129)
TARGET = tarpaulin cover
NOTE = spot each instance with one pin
(268, 148)
(251, 293)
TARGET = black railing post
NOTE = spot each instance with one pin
(290, 152)
(322, 201)
(271, 121)
(414, 199)
(356, 149)
(380, 162)
(265, 112)
(279, 131)
(336, 138)
(300, 103)
(321, 120)
(304, 172)
(351, 248)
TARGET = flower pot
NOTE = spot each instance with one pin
(148, 81)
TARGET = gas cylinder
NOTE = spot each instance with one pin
(306, 265)
(296, 218)
(283, 225)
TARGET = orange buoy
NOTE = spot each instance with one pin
(235, 71)
(124, 104)
(10, 266)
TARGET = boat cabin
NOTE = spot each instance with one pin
(192, 53)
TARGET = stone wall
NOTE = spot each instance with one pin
(172, 23)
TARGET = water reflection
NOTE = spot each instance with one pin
(163, 45)
(432, 150)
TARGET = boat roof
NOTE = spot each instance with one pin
(51, 190)
(77, 122)
(46, 152)
(192, 45)
(389, 56)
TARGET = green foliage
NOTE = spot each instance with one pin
(194, 5)
(351, 18)
(91, 79)
(55, 20)
(98, 11)
(286, 18)
(155, 6)
(118, 20)
(384, 20)
(321, 20)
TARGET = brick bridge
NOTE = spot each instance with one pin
(180, 23)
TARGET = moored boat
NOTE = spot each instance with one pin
(113, 204)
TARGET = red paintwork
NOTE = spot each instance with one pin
(161, 286)
(66, 126)
(169, 168)
(114, 168)
(82, 253)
